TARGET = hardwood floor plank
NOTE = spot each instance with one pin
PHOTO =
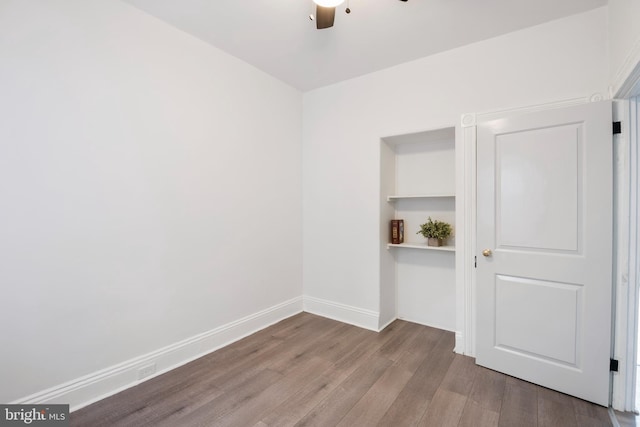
(484, 389)
(172, 404)
(588, 413)
(232, 400)
(260, 356)
(519, 405)
(302, 348)
(584, 421)
(627, 419)
(555, 409)
(286, 328)
(475, 415)
(150, 392)
(394, 347)
(254, 409)
(233, 357)
(363, 349)
(330, 411)
(336, 347)
(488, 389)
(295, 408)
(412, 402)
(279, 331)
(426, 340)
(445, 410)
(298, 406)
(145, 400)
(461, 375)
(374, 404)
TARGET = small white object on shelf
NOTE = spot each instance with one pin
(422, 246)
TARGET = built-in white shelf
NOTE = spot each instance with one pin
(418, 181)
(422, 246)
(419, 196)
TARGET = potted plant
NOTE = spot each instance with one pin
(435, 231)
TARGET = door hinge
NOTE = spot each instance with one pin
(617, 128)
(613, 365)
(475, 262)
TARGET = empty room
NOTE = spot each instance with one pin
(319, 212)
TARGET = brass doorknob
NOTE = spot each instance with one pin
(487, 252)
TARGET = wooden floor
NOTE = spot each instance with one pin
(312, 371)
(628, 419)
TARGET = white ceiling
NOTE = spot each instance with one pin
(278, 37)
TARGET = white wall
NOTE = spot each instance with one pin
(343, 124)
(624, 40)
(150, 189)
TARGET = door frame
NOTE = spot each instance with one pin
(626, 85)
(627, 265)
(627, 251)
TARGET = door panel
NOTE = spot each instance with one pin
(519, 303)
(545, 212)
(537, 182)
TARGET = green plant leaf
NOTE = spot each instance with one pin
(435, 229)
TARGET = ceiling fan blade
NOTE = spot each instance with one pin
(325, 17)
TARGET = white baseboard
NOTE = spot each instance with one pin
(362, 318)
(98, 385)
(381, 328)
(459, 348)
(429, 324)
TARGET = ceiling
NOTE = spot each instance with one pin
(278, 37)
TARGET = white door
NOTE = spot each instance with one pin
(544, 211)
